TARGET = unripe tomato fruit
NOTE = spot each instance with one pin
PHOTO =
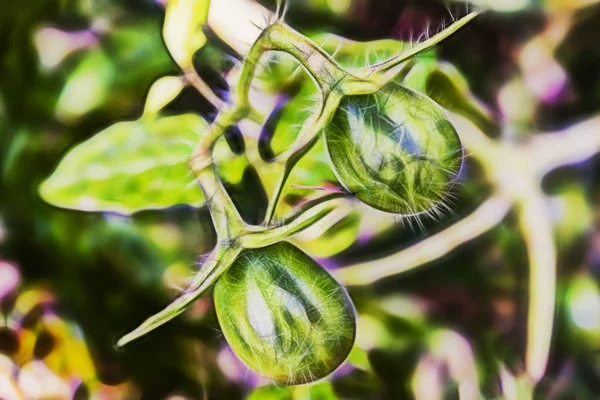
(395, 150)
(284, 315)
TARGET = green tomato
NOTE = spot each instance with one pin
(284, 315)
(395, 150)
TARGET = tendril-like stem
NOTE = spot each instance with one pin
(305, 218)
(217, 262)
(380, 74)
(306, 140)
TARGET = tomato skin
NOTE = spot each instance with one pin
(284, 315)
(395, 150)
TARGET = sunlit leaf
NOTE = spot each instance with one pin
(448, 87)
(284, 315)
(336, 238)
(129, 166)
(352, 54)
(394, 150)
(291, 117)
(162, 91)
(271, 392)
(583, 306)
(86, 87)
(184, 20)
(317, 391)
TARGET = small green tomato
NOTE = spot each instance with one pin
(284, 315)
(395, 150)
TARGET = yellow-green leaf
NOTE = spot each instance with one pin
(162, 92)
(130, 166)
(86, 88)
(351, 54)
(184, 20)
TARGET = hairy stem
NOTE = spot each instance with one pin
(307, 138)
(225, 216)
(219, 260)
(380, 74)
(305, 218)
(322, 68)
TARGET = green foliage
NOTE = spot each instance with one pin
(184, 21)
(284, 315)
(335, 238)
(394, 150)
(271, 393)
(128, 167)
(86, 88)
(317, 391)
(292, 117)
(446, 85)
(352, 54)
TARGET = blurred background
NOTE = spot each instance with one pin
(72, 283)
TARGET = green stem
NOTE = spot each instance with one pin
(219, 260)
(304, 143)
(277, 37)
(233, 235)
(372, 78)
(225, 216)
(322, 68)
(299, 222)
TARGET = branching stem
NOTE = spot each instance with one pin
(217, 262)
(233, 234)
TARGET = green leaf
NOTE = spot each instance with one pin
(271, 392)
(284, 315)
(448, 87)
(162, 92)
(303, 106)
(317, 391)
(86, 88)
(184, 21)
(352, 54)
(334, 239)
(129, 166)
(394, 150)
(312, 175)
(138, 54)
